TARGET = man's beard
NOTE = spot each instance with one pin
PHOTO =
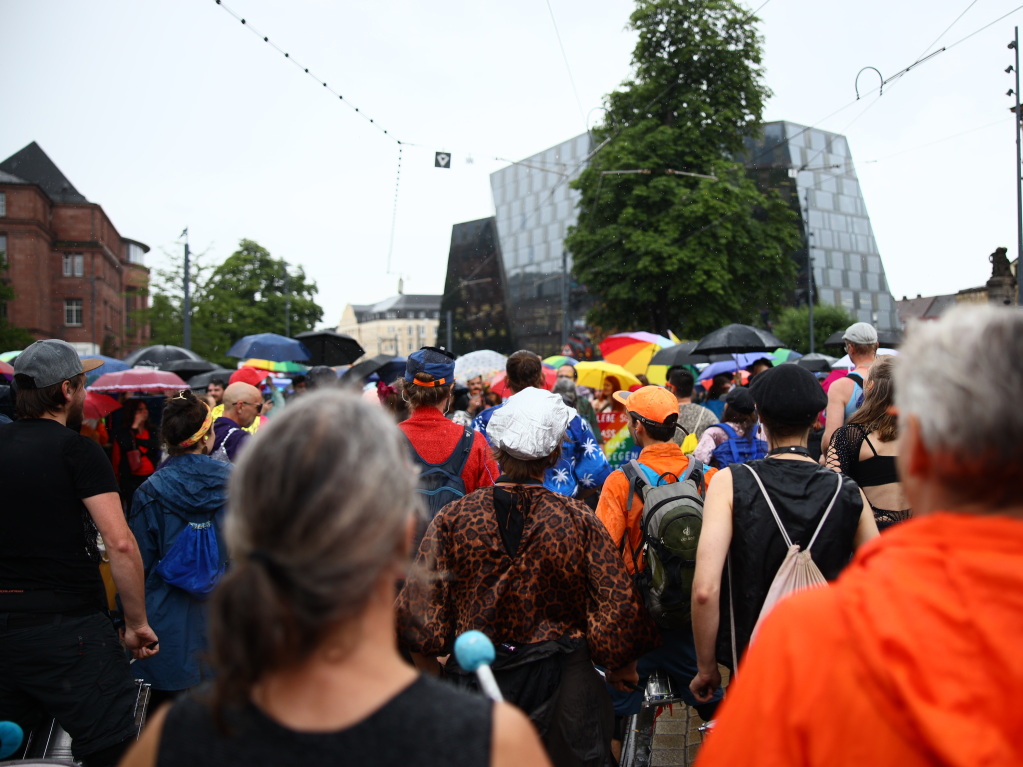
(75, 414)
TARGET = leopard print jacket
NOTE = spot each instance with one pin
(566, 579)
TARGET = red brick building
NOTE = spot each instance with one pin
(74, 276)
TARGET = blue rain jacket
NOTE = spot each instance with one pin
(186, 489)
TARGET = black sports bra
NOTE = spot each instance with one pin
(879, 470)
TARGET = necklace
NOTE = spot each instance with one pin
(794, 449)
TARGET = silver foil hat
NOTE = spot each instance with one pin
(530, 425)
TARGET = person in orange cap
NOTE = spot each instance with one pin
(913, 656)
(653, 413)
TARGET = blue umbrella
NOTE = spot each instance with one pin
(110, 365)
(270, 346)
(738, 362)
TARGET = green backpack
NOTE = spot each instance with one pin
(671, 525)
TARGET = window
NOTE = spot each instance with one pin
(3, 246)
(74, 265)
(73, 312)
(3, 204)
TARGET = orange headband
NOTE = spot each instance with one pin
(202, 430)
(435, 382)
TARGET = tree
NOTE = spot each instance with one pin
(793, 325)
(11, 336)
(658, 246)
(251, 292)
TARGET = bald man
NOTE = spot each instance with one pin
(242, 403)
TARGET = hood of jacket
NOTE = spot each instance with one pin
(192, 486)
(934, 610)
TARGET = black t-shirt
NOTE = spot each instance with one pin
(47, 537)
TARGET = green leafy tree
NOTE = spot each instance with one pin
(672, 232)
(248, 293)
(11, 336)
(793, 325)
(252, 292)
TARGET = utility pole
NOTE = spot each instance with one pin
(1014, 45)
(564, 297)
(287, 300)
(187, 310)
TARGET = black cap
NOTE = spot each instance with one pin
(740, 399)
(788, 394)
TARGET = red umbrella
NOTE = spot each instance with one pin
(499, 385)
(139, 379)
(6, 369)
(99, 405)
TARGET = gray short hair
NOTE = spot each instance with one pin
(961, 376)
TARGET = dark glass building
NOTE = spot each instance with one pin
(528, 283)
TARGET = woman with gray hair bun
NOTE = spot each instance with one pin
(302, 629)
(537, 572)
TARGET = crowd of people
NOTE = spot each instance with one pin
(292, 588)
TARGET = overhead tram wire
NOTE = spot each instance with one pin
(568, 68)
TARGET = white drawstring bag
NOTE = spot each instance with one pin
(798, 571)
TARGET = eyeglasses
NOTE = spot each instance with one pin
(257, 405)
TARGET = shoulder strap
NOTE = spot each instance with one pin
(636, 477)
(857, 379)
(777, 519)
(732, 433)
(869, 443)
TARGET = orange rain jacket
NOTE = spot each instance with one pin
(913, 657)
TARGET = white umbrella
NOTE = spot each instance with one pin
(485, 363)
(845, 362)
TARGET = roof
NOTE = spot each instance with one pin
(32, 165)
(401, 305)
(924, 307)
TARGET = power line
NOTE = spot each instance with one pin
(935, 40)
(568, 68)
(1000, 121)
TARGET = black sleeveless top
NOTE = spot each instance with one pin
(429, 724)
(801, 491)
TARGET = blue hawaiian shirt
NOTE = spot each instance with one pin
(582, 463)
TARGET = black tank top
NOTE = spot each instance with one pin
(429, 724)
(801, 491)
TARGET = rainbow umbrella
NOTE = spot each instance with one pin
(633, 351)
(785, 355)
(274, 366)
(8, 356)
(560, 359)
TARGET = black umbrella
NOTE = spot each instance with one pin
(738, 339)
(679, 354)
(159, 354)
(202, 380)
(887, 338)
(387, 366)
(816, 362)
(330, 348)
(188, 368)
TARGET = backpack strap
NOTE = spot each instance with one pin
(777, 519)
(637, 478)
(857, 379)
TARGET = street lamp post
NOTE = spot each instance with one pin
(1014, 45)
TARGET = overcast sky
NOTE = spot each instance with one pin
(171, 113)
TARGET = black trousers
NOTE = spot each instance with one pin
(71, 668)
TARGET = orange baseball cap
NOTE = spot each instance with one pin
(651, 403)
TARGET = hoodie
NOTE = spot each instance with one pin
(186, 489)
(913, 657)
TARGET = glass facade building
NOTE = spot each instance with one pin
(534, 208)
(812, 170)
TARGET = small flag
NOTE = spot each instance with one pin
(442, 160)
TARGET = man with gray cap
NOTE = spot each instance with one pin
(846, 394)
(59, 653)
